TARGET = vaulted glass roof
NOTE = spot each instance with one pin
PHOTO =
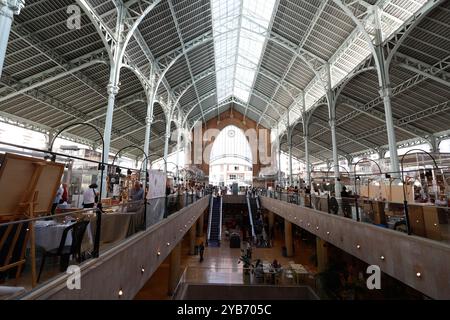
(238, 49)
(264, 58)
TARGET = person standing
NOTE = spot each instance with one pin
(346, 208)
(90, 196)
(137, 193)
(57, 199)
(201, 250)
(65, 194)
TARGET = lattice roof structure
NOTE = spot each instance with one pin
(266, 59)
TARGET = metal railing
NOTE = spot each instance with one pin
(120, 219)
(429, 221)
(220, 220)
(211, 205)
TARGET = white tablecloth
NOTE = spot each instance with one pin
(49, 234)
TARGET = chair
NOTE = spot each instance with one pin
(63, 251)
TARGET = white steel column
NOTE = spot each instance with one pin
(289, 141)
(279, 161)
(166, 145)
(149, 117)
(337, 187)
(291, 180)
(178, 154)
(385, 93)
(332, 120)
(308, 166)
(305, 123)
(112, 90)
(8, 8)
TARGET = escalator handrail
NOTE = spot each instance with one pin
(211, 205)
(250, 214)
(220, 220)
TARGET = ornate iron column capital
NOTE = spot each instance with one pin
(14, 6)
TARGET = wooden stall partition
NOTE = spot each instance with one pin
(416, 220)
(431, 222)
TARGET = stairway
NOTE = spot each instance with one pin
(214, 235)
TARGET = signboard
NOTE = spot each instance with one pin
(156, 184)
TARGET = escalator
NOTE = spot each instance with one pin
(215, 222)
(259, 230)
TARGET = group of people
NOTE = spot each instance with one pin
(91, 196)
(198, 190)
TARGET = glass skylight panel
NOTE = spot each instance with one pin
(238, 43)
(225, 17)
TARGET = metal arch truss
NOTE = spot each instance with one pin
(181, 89)
(347, 135)
(299, 47)
(402, 122)
(441, 107)
(59, 105)
(129, 16)
(137, 10)
(405, 85)
(365, 66)
(225, 103)
(391, 45)
(434, 72)
(134, 11)
(175, 19)
(107, 35)
(318, 157)
(321, 145)
(168, 59)
(212, 93)
(394, 42)
(378, 115)
(29, 86)
(54, 73)
(185, 86)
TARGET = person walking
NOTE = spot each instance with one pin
(201, 250)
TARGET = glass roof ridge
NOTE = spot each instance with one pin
(237, 42)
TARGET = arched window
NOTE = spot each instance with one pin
(231, 158)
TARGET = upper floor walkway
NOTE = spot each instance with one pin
(417, 261)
